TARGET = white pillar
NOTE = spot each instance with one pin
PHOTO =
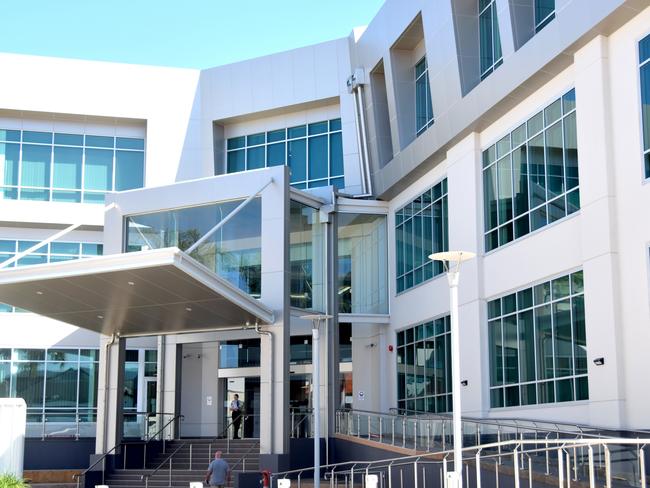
(315, 351)
(453, 277)
(112, 351)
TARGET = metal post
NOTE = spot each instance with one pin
(381, 437)
(393, 422)
(515, 459)
(415, 474)
(404, 432)
(43, 427)
(368, 426)
(76, 435)
(315, 353)
(560, 468)
(209, 452)
(144, 457)
(415, 434)
(496, 473)
(568, 469)
(642, 466)
(592, 476)
(575, 465)
(190, 457)
(478, 468)
(443, 435)
(390, 475)
(124, 457)
(170, 471)
(608, 467)
(293, 423)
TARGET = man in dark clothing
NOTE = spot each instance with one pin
(236, 412)
(218, 474)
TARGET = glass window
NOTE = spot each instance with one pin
(544, 13)
(423, 106)
(51, 166)
(234, 253)
(306, 257)
(314, 153)
(489, 38)
(535, 181)
(644, 67)
(533, 345)
(362, 264)
(424, 366)
(129, 170)
(420, 230)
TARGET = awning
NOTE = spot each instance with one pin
(162, 291)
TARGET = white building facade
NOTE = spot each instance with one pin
(516, 130)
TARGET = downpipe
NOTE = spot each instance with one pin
(271, 370)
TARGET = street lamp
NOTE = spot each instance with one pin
(452, 261)
(315, 382)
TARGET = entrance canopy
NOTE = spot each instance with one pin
(160, 291)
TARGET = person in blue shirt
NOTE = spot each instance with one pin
(218, 474)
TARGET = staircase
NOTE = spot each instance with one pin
(189, 463)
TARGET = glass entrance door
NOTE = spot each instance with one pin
(248, 390)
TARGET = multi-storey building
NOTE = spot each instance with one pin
(319, 180)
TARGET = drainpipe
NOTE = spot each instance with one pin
(355, 86)
(114, 336)
(270, 336)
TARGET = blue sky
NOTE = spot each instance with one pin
(183, 33)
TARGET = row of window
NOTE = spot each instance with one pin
(58, 383)
(48, 253)
(421, 228)
(68, 167)
(537, 350)
(314, 152)
(538, 345)
(530, 176)
(644, 68)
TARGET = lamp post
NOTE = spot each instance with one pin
(315, 386)
(452, 261)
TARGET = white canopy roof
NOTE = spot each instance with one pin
(162, 291)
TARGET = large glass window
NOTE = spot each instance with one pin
(362, 264)
(424, 367)
(306, 253)
(233, 252)
(244, 353)
(538, 346)
(420, 230)
(314, 152)
(49, 253)
(67, 167)
(544, 13)
(530, 176)
(59, 386)
(489, 37)
(423, 106)
(644, 67)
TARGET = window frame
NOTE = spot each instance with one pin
(645, 172)
(429, 99)
(494, 19)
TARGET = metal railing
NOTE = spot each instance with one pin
(145, 477)
(77, 476)
(595, 462)
(302, 422)
(427, 432)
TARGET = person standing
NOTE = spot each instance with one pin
(236, 412)
(218, 474)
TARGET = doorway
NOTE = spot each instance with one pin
(248, 389)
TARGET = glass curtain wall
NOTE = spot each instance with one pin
(314, 152)
(49, 253)
(307, 258)
(644, 68)
(544, 13)
(421, 228)
(243, 353)
(233, 252)
(489, 37)
(423, 105)
(424, 367)
(530, 176)
(68, 167)
(538, 345)
(362, 264)
(59, 387)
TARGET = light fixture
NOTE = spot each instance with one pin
(100, 316)
(463, 383)
(599, 361)
(39, 292)
(189, 309)
(130, 283)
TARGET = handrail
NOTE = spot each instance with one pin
(419, 413)
(502, 422)
(243, 457)
(76, 476)
(557, 443)
(179, 416)
(145, 477)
